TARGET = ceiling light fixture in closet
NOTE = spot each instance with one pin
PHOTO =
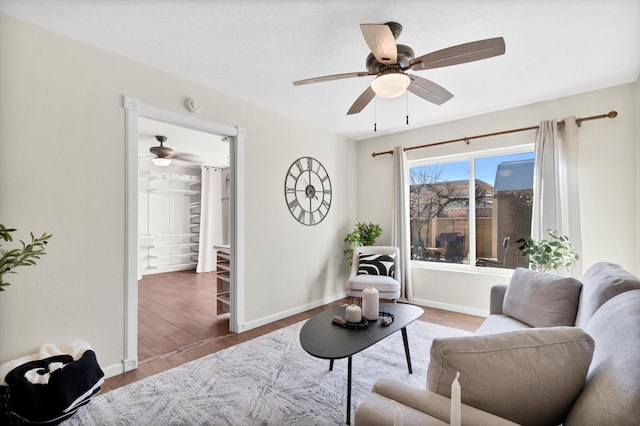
(162, 153)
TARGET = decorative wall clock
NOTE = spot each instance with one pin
(307, 191)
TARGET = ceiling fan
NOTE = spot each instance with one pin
(388, 61)
(164, 154)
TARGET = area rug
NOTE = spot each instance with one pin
(269, 380)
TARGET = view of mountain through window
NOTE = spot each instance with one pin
(444, 229)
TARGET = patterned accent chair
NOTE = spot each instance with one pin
(377, 267)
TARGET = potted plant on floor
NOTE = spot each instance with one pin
(548, 255)
(364, 234)
(23, 256)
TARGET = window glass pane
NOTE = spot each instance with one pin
(439, 204)
(504, 199)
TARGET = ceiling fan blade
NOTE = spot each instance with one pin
(362, 101)
(428, 90)
(332, 77)
(190, 158)
(381, 42)
(459, 54)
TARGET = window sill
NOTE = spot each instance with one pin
(461, 268)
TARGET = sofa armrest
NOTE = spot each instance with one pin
(418, 405)
(497, 298)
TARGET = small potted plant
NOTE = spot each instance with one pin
(548, 255)
(364, 234)
(23, 256)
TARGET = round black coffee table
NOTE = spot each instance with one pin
(323, 339)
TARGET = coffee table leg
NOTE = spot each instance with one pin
(349, 392)
(330, 365)
(406, 348)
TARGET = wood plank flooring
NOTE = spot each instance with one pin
(178, 323)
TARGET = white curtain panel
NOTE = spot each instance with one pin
(556, 202)
(400, 231)
(210, 219)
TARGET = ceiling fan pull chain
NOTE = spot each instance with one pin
(407, 104)
(375, 115)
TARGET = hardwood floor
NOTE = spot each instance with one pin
(178, 323)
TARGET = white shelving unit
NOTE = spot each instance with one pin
(169, 215)
(223, 279)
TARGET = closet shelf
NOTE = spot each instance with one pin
(223, 268)
(173, 266)
(155, 246)
(171, 256)
(169, 190)
(191, 234)
(175, 177)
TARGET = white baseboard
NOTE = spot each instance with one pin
(120, 368)
(113, 370)
(448, 307)
(284, 314)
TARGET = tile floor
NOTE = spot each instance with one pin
(178, 323)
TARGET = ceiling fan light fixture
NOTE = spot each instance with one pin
(390, 85)
(162, 162)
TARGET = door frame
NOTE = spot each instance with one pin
(236, 136)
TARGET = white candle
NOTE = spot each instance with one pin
(370, 303)
(456, 419)
(353, 313)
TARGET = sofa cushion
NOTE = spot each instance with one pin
(382, 283)
(500, 324)
(529, 377)
(434, 406)
(601, 282)
(542, 299)
(611, 394)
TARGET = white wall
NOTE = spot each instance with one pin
(62, 153)
(637, 125)
(608, 184)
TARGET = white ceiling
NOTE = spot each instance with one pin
(254, 50)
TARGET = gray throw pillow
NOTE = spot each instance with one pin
(601, 282)
(542, 299)
(611, 394)
(530, 377)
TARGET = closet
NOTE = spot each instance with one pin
(168, 218)
(184, 204)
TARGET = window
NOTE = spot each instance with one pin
(449, 225)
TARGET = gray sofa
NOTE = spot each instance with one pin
(553, 350)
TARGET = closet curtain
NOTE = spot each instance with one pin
(400, 231)
(210, 219)
(556, 202)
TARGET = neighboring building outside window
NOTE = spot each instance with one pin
(448, 225)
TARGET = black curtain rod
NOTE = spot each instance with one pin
(611, 114)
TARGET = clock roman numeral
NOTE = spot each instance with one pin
(301, 216)
(299, 165)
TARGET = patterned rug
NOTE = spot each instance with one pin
(269, 380)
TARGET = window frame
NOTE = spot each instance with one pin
(470, 157)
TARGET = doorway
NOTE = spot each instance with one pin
(136, 113)
(183, 203)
